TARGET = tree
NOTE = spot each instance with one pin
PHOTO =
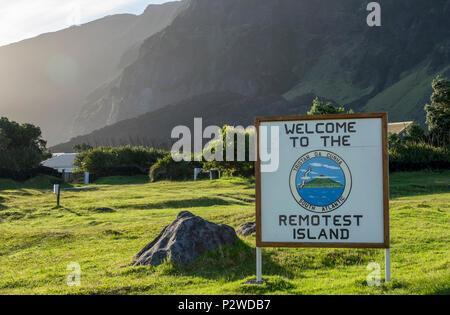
(4, 141)
(438, 112)
(395, 142)
(82, 147)
(21, 146)
(415, 133)
(239, 161)
(319, 108)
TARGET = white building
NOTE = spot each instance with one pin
(61, 162)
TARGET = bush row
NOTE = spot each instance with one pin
(25, 174)
(116, 171)
(167, 168)
(412, 156)
(118, 160)
(159, 165)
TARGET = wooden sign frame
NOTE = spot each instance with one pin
(385, 157)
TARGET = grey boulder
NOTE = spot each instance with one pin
(184, 240)
(247, 229)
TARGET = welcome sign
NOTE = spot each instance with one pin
(330, 185)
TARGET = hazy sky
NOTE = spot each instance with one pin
(21, 19)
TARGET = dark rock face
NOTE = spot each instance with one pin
(247, 229)
(184, 240)
(156, 126)
(256, 48)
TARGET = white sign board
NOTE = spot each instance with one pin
(329, 187)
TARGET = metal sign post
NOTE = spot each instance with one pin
(57, 191)
(258, 265)
(387, 263)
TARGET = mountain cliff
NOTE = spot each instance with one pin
(216, 108)
(46, 79)
(290, 48)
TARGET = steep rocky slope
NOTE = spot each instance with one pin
(45, 80)
(284, 47)
(217, 108)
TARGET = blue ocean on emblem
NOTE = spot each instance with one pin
(320, 181)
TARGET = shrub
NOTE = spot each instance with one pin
(167, 169)
(21, 145)
(82, 147)
(233, 168)
(319, 108)
(415, 133)
(395, 141)
(416, 156)
(103, 158)
(37, 182)
(25, 174)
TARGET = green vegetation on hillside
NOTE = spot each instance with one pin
(21, 145)
(38, 241)
(329, 79)
(322, 182)
(404, 98)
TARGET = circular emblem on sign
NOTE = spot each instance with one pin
(320, 181)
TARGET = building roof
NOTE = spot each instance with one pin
(60, 160)
(399, 127)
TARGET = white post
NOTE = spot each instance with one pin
(55, 188)
(86, 178)
(387, 262)
(258, 265)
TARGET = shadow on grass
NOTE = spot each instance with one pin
(2, 206)
(390, 287)
(79, 189)
(444, 291)
(122, 290)
(11, 215)
(404, 184)
(270, 285)
(346, 257)
(40, 182)
(230, 263)
(186, 203)
(67, 209)
(238, 263)
(104, 210)
(36, 240)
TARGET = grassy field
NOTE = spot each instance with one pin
(39, 240)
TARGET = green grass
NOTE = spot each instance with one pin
(38, 182)
(328, 79)
(39, 240)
